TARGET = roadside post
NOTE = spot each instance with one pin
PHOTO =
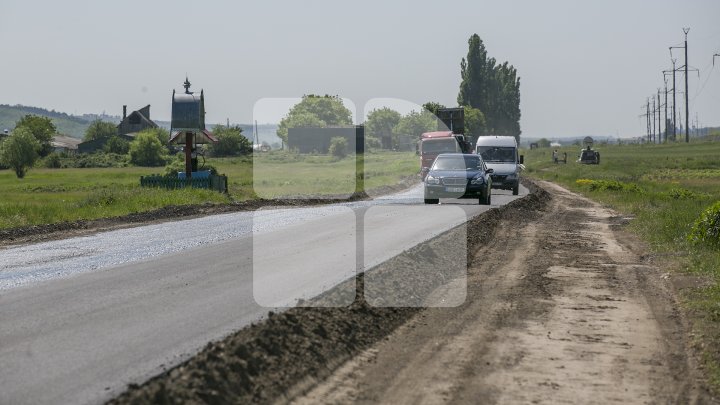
(187, 126)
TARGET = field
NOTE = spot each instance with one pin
(665, 188)
(57, 195)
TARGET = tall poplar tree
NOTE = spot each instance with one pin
(491, 88)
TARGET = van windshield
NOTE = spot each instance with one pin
(504, 154)
(439, 145)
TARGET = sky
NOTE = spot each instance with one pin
(586, 68)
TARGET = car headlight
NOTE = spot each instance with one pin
(477, 180)
(432, 180)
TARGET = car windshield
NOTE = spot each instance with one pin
(439, 145)
(497, 153)
(456, 163)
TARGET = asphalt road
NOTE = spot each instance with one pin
(83, 317)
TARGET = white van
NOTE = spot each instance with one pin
(500, 153)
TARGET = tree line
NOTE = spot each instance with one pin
(489, 94)
(31, 140)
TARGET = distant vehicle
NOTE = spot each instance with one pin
(263, 147)
(589, 157)
(458, 175)
(434, 143)
(500, 153)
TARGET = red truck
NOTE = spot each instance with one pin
(437, 142)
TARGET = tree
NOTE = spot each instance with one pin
(19, 151)
(433, 107)
(42, 129)
(543, 143)
(338, 147)
(147, 150)
(493, 89)
(380, 123)
(231, 142)
(162, 134)
(411, 126)
(315, 111)
(415, 123)
(474, 122)
(99, 129)
(117, 145)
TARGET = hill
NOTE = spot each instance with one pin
(75, 125)
(71, 125)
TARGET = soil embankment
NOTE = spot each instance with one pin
(561, 307)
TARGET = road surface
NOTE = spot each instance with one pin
(84, 317)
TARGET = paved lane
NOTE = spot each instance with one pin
(83, 317)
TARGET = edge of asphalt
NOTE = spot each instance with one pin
(288, 352)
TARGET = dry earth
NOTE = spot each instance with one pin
(562, 307)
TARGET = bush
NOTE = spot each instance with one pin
(52, 161)
(99, 160)
(117, 145)
(683, 194)
(612, 185)
(147, 150)
(372, 142)
(175, 165)
(706, 229)
(338, 147)
(231, 142)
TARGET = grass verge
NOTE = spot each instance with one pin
(48, 196)
(665, 188)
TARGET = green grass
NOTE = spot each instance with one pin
(279, 174)
(665, 188)
(56, 195)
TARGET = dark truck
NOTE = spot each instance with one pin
(589, 156)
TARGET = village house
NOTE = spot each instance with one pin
(130, 125)
(65, 144)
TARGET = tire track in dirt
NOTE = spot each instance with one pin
(560, 310)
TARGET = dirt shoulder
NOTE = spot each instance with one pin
(560, 309)
(290, 352)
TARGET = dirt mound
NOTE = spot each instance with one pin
(290, 350)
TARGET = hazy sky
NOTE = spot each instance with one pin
(586, 67)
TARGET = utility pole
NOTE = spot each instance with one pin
(686, 68)
(647, 119)
(659, 117)
(653, 121)
(647, 114)
(674, 122)
(666, 119)
(687, 105)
